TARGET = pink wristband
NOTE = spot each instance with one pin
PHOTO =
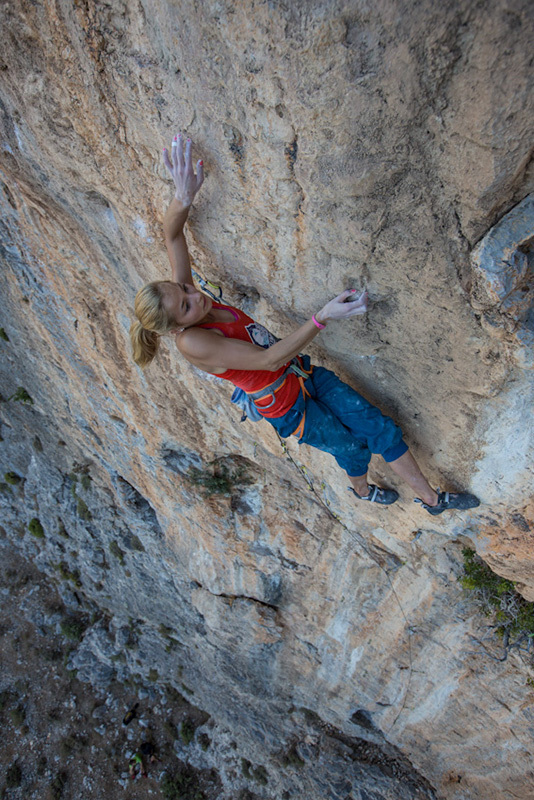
(317, 323)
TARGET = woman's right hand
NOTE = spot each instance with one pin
(341, 308)
(181, 170)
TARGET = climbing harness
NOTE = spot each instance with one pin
(247, 400)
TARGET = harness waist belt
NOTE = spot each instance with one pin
(293, 367)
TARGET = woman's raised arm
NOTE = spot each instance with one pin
(187, 184)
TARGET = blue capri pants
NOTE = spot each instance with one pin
(341, 422)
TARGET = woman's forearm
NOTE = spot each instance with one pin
(175, 219)
(341, 307)
(290, 346)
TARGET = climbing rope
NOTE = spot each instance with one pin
(323, 500)
(215, 292)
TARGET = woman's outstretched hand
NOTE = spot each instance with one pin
(342, 307)
(180, 167)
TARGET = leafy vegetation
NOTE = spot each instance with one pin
(12, 478)
(187, 731)
(69, 574)
(36, 529)
(512, 615)
(181, 785)
(254, 773)
(72, 628)
(82, 510)
(116, 551)
(21, 396)
(86, 481)
(218, 478)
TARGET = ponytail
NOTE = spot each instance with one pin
(152, 322)
(144, 344)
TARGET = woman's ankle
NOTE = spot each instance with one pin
(360, 486)
(430, 498)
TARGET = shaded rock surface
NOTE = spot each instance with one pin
(344, 145)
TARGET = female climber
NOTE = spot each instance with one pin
(294, 397)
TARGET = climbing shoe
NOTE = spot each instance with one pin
(449, 500)
(384, 497)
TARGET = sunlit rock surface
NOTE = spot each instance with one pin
(344, 145)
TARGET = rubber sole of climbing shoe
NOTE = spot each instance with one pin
(449, 501)
(384, 497)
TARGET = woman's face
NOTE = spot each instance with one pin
(185, 304)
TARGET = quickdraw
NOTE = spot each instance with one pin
(214, 291)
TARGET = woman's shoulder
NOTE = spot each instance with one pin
(197, 346)
(190, 336)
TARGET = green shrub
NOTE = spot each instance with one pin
(69, 575)
(187, 731)
(82, 510)
(253, 773)
(181, 785)
(217, 478)
(36, 529)
(21, 396)
(497, 598)
(153, 675)
(12, 478)
(86, 481)
(72, 628)
(115, 550)
(3, 335)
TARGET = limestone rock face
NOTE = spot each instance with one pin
(345, 144)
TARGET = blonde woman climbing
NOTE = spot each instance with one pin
(274, 381)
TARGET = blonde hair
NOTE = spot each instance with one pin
(152, 322)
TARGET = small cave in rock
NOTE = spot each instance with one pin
(364, 719)
(135, 500)
(180, 459)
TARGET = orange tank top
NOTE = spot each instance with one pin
(245, 328)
